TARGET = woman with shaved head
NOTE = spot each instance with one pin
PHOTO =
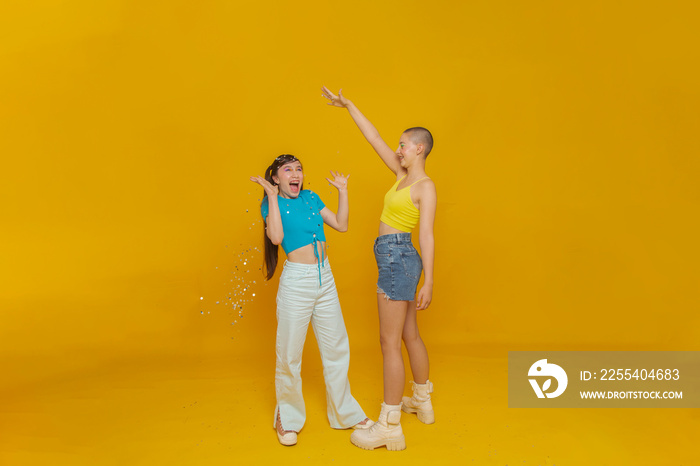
(410, 202)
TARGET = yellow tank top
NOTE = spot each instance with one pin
(399, 211)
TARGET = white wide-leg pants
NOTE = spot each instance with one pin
(301, 299)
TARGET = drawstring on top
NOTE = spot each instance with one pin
(319, 260)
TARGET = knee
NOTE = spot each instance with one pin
(288, 359)
(331, 357)
(390, 344)
(286, 366)
(411, 337)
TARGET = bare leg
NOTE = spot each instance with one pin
(417, 353)
(392, 315)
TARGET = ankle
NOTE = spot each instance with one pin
(279, 426)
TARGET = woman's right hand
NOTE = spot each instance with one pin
(270, 189)
(335, 100)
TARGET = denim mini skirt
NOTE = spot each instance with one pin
(399, 266)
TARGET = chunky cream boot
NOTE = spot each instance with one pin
(385, 432)
(420, 402)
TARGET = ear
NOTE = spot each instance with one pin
(420, 148)
(276, 179)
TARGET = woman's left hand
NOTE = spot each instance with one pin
(339, 180)
(424, 297)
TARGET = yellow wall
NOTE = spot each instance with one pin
(565, 159)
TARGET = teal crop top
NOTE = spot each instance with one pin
(301, 220)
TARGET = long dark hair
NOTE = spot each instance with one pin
(272, 250)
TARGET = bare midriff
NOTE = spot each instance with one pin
(385, 229)
(305, 254)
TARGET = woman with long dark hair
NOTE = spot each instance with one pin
(410, 202)
(294, 217)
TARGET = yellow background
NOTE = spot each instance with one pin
(566, 161)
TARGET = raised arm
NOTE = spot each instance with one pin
(428, 205)
(273, 221)
(368, 130)
(340, 220)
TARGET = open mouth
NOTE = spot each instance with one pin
(294, 187)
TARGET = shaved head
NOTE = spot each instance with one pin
(420, 135)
